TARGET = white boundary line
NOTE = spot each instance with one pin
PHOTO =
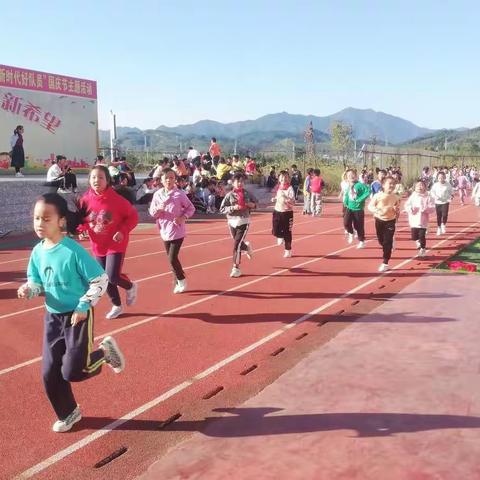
(19, 312)
(205, 373)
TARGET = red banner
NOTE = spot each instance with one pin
(14, 77)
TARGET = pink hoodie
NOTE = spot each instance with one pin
(168, 205)
(418, 207)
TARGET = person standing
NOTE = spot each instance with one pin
(17, 154)
(215, 151)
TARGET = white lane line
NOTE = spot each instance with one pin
(205, 373)
(187, 305)
(221, 222)
(163, 274)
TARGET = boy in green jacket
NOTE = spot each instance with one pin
(354, 201)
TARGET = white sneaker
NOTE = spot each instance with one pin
(132, 294)
(355, 234)
(249, 251)
(280, 241)
(443, 228)
(19, 174)
(62, 190)
(66, 424)
(113, 355)
(350, 238)
(439, 231)
(417, 243)
(287, 254)
(114, 312)
(422, 252)
(361, 245)
(383, 267)
(346, 233)
(235, 272)
(180, 286)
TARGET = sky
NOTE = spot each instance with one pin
(169, 63)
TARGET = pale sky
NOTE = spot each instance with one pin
(159, 62)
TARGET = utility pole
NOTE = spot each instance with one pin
(235, 147)
(113, 136)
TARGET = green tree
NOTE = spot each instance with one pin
(342, 142)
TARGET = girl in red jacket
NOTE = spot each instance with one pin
(109, 220)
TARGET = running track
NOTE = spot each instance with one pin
(224, 339)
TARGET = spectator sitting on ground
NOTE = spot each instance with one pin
(237, 164)
(179, 168)
(59, 175)
(124, 167)
(123, 189)
(147, 189)
(157, 171)
(272, 179)
(223, 170)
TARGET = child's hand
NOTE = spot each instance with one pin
(237, 207)
(78, 317)
(118, 237)
(274, 199)
(250, 205)
(24, 292)
(179, 220)
(414, 210)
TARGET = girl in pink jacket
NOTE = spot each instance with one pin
(419, 206)
(171, 207)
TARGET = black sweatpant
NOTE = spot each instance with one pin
(112, 264)
(355, 219)
(385, 231)
(67, 357)
(239, 234)
(420, 234)
(282, 223)
(442, 213)
(172, 247)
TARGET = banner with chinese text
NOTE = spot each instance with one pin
(58, 113)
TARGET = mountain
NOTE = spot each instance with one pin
(464, 140)
(365, 123)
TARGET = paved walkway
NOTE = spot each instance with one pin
(385, 399)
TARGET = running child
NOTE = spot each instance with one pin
(316, 186)
(109, 220)
(354, 201)
(463, 184)
(283, 212)
(385, 206)
(72, 283)
(442, 193)
(376, 186)
(306, 192)
(419, 206)
(237, 205)
(171, 207)
(476, 194)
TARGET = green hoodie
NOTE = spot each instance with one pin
(362, 193)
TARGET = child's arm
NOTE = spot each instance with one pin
(252, 201)
(227, 207)
(156, 209)
(33, 287)
(364, 193)
(372, 205)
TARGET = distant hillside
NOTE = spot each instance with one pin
(467, 140)
(365, 123)
(274, 132)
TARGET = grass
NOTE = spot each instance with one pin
(470, 254)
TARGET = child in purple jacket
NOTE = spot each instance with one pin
(171, 207)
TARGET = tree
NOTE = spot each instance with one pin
(342, 142)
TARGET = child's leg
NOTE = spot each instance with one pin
(348, 221)
(359, 224)
(312, 203)
(79, 361)
(438, 209)
(173, 248)
(415, 234)
(238, 233)
(379, 230)
(319, 203)
(113, 267)
(445, 210)
(58, 390)
(422, 232)
(388, 234)
(277, 224)
(288, 224)
(306, 203)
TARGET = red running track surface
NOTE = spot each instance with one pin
(181, 348)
